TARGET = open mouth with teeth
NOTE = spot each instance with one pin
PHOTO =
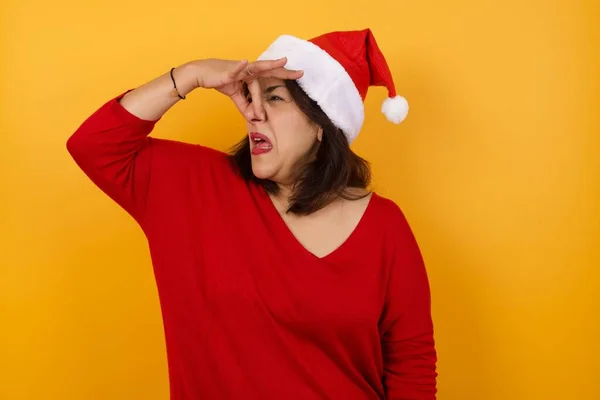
(259, 143)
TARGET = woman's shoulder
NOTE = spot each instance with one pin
(386, 206)
(184, 156)
(388, 213)
(376, 204)
(185, 152)
(179, 166)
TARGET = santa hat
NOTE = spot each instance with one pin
(338, 69)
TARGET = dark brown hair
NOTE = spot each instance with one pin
(335, 169)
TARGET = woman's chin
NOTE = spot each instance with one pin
(262, 171)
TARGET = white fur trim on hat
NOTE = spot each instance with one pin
(324, 80)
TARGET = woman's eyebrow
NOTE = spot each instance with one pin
(271, 88)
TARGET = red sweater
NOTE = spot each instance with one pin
(248, 312)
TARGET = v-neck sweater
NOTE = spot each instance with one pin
(248, 312)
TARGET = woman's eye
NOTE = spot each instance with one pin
(271, 98)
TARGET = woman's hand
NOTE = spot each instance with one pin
(227, 77)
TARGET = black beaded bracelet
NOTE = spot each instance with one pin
(175, 91)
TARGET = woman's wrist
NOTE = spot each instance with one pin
(187, 77)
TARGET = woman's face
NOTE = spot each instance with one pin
(285, 139)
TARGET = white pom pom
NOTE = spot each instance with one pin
(395, 109)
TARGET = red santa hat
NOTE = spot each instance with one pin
(339, 67)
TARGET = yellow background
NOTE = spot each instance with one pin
(496, 168)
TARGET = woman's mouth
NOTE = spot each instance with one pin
(259, 143)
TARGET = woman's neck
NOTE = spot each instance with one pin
(282, 197)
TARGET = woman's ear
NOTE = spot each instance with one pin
(319, 134)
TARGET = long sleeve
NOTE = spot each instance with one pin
(409, 353)
(113, 149)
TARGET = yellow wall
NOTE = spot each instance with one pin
(496, 167)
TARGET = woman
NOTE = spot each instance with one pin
(280, 275)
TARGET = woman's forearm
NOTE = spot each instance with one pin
(153, 99)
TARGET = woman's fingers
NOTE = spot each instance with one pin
(242, 104)
(239, 68)
(257, 67)
(274, 68)
(282, 73)
(246, 71)
(250, 109)
(249, 72)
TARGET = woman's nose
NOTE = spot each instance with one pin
(255, 116)
(256, 111)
